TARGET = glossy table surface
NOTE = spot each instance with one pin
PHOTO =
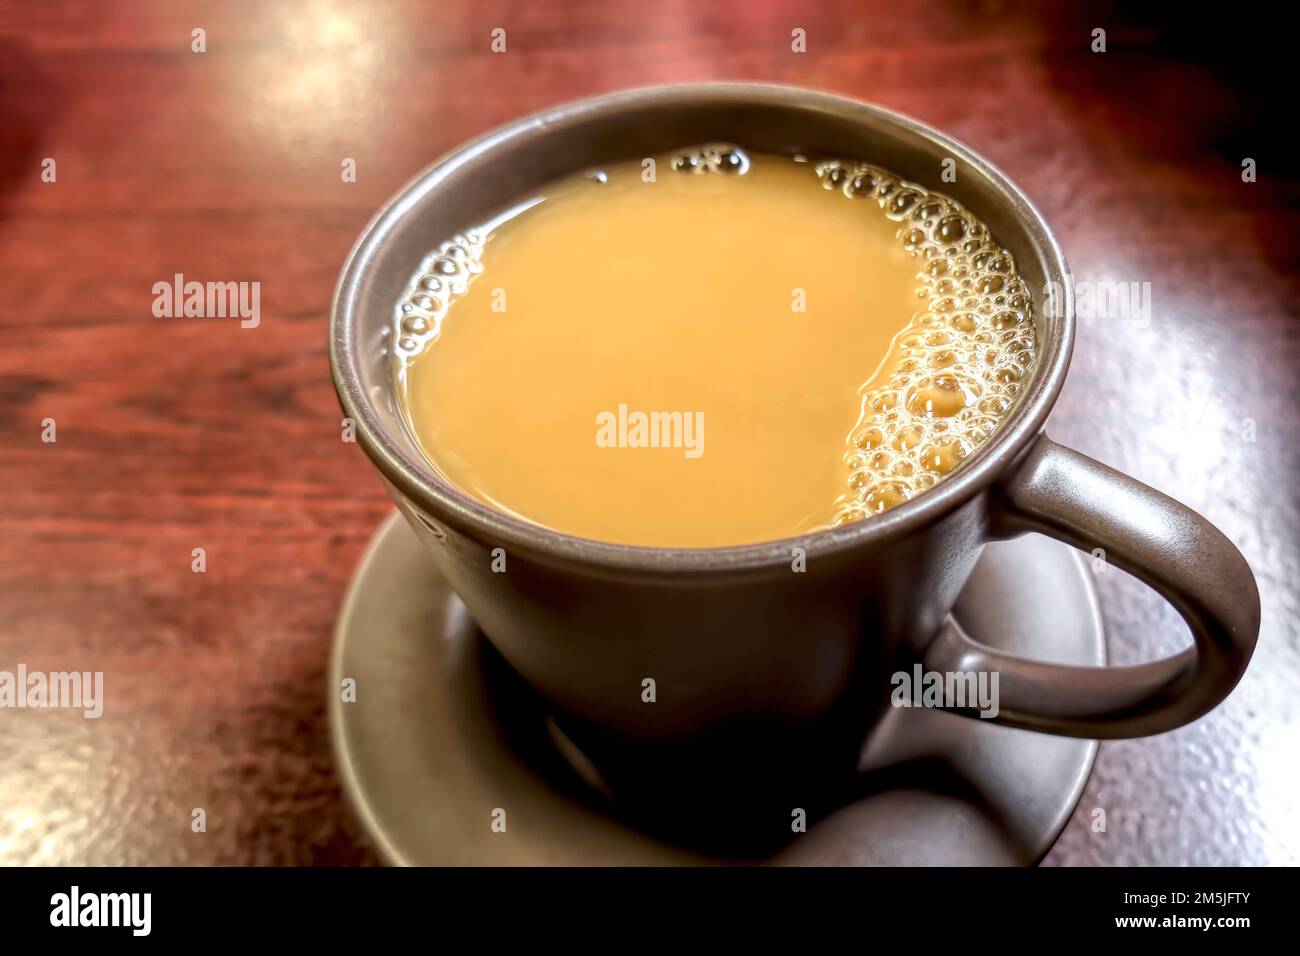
(226, 165)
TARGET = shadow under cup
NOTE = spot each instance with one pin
(768, 681)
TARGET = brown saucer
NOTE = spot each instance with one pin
(442, 734)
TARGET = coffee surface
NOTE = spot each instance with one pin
(713, 348)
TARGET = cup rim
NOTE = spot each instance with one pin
(443, 501)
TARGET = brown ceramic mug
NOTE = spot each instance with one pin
(767, 681)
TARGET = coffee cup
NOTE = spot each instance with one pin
(766, 679)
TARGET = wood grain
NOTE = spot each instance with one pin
(175, 434)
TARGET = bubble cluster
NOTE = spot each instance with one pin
(715, 158)
(443, 276)
(954, 372)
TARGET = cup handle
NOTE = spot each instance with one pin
(1070, 497)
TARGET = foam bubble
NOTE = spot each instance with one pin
(714, 158)
(954, 372)
(443, 276)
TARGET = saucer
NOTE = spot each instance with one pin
(448, 759)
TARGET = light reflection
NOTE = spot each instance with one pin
(17, 822)
(323, 70)
(1277, 788)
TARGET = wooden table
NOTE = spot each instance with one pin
(177, 434)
